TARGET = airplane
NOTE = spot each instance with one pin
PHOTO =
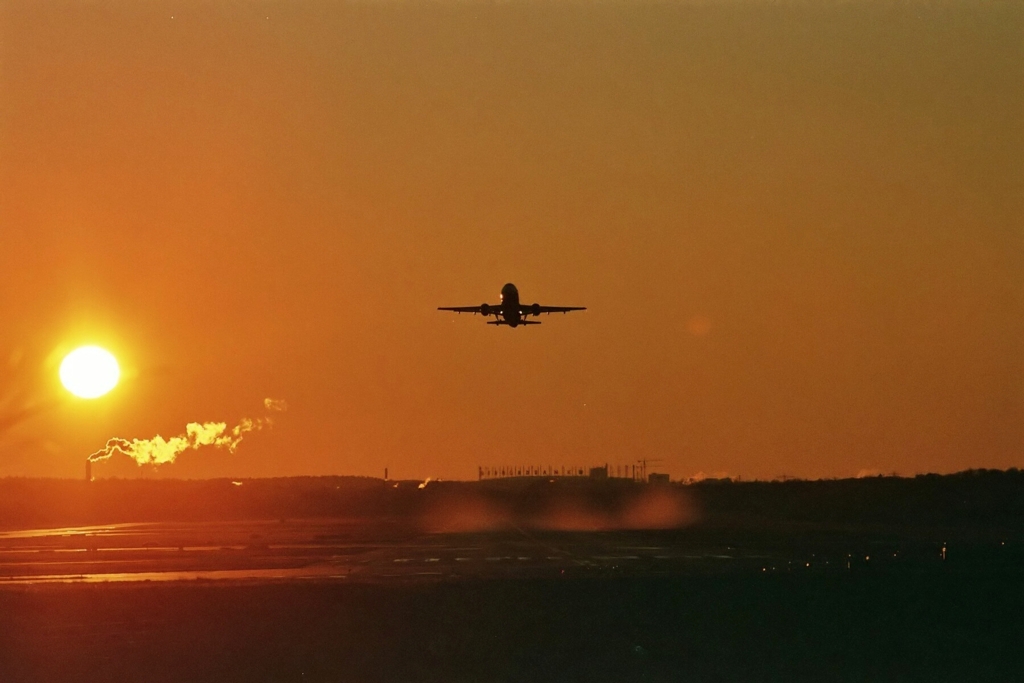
(510, 312)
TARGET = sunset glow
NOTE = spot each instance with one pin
(796, 232)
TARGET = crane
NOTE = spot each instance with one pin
(643, 462)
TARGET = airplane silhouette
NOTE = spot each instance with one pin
(510, 312)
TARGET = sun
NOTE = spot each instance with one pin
(89, 372)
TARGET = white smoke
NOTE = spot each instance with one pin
(276, 404)
(160, 451)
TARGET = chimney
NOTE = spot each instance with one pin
(88, 469)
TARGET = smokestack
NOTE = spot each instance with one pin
(88, 469)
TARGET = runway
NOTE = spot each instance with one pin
(345, 550)
(383, 600)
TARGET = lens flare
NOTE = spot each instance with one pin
(89, 372)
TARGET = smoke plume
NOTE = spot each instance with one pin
(276, 404)
(159, 451)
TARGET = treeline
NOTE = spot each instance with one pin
(65, 502)
(972, 500)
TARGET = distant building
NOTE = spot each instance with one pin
(657, 478)
(599, 472)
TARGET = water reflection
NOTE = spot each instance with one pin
(360, 549)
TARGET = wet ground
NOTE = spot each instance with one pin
(338, 550)
(346, 600)
(358, 551)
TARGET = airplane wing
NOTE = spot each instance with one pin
(491, 309)
(537, 310)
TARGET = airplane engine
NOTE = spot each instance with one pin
(535, 309)
(485, 309)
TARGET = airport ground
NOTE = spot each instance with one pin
(930, 626)
(530, 592)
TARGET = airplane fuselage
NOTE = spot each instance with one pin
(510, 305)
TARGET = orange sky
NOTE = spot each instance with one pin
(798, 232)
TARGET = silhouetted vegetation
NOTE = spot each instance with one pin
(986, 502)
(970, 500)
